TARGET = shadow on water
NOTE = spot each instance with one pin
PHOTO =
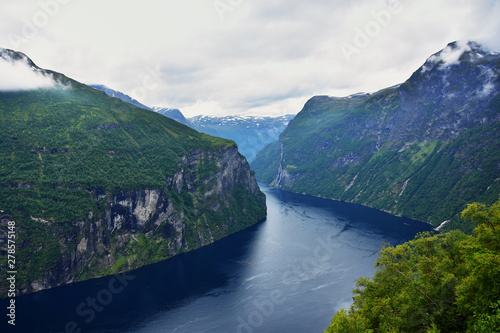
(216, 286)
(110, 302)
(356, 216)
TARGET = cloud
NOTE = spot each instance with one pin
(262, 56)
(18, 76)
(450, 55)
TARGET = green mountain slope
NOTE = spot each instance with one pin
(96, 185)
(423, 149)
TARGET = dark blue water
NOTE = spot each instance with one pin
(290, 273)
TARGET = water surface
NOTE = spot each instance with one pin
(290, 273)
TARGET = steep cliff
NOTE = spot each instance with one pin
(422, 149)
(97, 186)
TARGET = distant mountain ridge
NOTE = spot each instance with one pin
(422, 149)
(174, 114)
(251, 133)
(124, 97)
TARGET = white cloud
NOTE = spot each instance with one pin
(18, 75)
(450, 55)
(488, 88)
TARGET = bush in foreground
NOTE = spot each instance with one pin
(435, 283)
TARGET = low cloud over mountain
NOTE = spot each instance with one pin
(18, 74)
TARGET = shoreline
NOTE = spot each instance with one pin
(364, 205)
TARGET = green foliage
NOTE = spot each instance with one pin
(38, 252)
(56, 144)
(481, 287)
(435, 283)
(207, 167)
(343, 322)
(269, 154)
(488, 323)
(119, 265)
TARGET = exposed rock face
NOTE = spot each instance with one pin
(135, 228)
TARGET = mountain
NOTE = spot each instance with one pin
(93, 186)
(251, 133)
(174, 114)
(120, 95)
(422, 149)
(171, 113)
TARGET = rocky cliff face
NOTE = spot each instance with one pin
(422, 149)
(135, 228)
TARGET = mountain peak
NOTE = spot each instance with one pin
(444, 73)
(455, 53)
(19, 73)
(15, 56)
(175, 114)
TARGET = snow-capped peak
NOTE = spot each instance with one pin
(456, 52)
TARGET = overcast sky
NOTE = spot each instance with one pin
(241, 56)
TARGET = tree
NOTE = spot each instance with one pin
(434, 283)
(480, 289)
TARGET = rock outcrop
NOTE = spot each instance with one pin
(140, 227)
